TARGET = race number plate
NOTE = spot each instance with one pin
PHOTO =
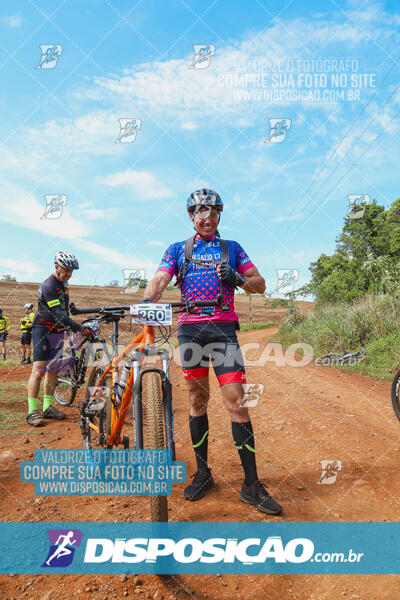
(151, 314)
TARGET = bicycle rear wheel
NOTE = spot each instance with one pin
(396, 393)
(154, 434)
(96, 422)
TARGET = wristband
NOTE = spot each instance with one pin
(239, 279)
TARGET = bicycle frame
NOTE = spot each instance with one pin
(78, 362)
(132, 390)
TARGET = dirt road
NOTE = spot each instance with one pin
(306, 415)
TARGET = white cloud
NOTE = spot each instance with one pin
(112, 256)
(142, 183)
(92, 133)
(168, 87)
(90, 212)
(22, 208)
(13, 21)
(189, 126)
(155, 243)
(22, 269)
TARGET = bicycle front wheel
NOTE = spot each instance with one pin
(396, 394)
(66, 389)
(154, 434)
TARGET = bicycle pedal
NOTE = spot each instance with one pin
(125, 441)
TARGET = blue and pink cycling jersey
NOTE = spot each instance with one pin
(201, 282)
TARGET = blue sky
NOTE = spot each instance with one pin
(284, 202)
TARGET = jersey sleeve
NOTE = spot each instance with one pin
(169, 261)
(243, 262)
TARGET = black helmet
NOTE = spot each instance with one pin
(67, 260)
(204, 197)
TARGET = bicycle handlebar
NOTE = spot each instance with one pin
(104, 309)
(86, 310)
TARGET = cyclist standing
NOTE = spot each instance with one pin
(199, 279)
(4, 327)
(26, 333)
(50, 322)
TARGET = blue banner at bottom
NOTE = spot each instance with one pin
(304, 548)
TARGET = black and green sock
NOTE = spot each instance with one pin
(199, 433)
(243, 438)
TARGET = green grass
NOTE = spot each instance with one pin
(15, 392)
(263, 325)
(9, 416)
(373, 322)
(10, 363)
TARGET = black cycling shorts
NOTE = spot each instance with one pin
(26, 338)
(48, 346)
(198, 342)
(3, 336)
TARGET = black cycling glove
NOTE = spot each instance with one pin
(229, 276)
(146, 301)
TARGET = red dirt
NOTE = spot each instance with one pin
(306, 415)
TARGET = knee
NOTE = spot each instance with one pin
(38, 370)
(198, 401)
(236, 409)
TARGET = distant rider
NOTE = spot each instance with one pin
(50, 322)
(26, 333)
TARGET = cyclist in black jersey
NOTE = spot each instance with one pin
(48, 327)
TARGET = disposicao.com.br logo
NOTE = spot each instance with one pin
(212, 550)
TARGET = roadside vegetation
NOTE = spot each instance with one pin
(357, 294)
(262, 325)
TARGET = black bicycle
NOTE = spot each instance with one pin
(72, 374)
(395, 393)
(347, 359)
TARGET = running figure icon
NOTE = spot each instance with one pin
(62, 549)
(63, 543)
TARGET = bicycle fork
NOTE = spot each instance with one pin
(166, 394)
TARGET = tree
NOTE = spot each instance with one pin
(366, 258)
(8, 277)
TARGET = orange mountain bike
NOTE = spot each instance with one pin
(111, 390)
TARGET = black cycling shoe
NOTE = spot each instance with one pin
(257, 495)
(28, 361)
(23, 360)
(34, 418)
(53, 413)
(202, 481)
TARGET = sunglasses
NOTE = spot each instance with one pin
(205, 213)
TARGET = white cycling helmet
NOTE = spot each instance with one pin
(67, 260)
(29, 305)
